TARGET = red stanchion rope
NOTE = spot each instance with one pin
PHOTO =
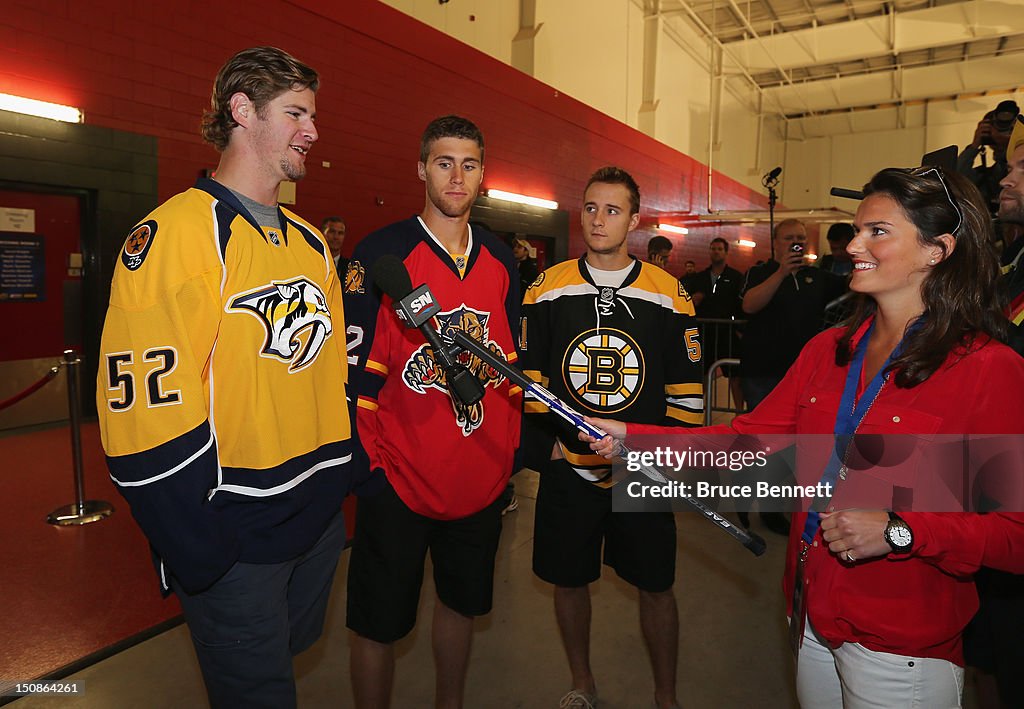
(30, 390)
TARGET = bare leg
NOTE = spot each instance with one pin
(372, 665)
(572, 610)
(452, 636)
(659, 620)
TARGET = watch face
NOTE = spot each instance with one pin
(900, 536)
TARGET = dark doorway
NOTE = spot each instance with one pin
(42, 308)
(547, 229)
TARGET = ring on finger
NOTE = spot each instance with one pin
(850, 557)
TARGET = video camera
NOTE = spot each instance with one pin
(1001, 119)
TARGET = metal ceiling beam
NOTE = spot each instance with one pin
(746, 23)
(710, 36)
(864, 67)
(897, 33)
(942, 80)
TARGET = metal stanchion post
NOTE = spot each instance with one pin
(82, 511)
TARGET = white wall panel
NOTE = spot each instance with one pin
(487, 25)
(583, 50)
(593, 50)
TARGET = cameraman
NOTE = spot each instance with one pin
(993, 131)
(784, 301)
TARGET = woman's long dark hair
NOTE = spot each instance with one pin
(960, 292)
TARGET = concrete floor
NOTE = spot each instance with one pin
(733, 651)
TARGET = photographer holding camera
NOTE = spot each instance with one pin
(993, 132)
(784, 301)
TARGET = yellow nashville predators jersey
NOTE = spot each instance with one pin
(221, 386)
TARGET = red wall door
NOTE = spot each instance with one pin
(38, 328)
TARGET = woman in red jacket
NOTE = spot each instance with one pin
(886, 596)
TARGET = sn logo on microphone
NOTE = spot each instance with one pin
(420, 303)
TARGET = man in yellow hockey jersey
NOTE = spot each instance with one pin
(221, 390)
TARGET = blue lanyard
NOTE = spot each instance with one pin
(848, 419)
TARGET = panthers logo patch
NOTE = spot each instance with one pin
(295, 316)
(603, 369)
(137, 245)
(421, 372)
(355, 278)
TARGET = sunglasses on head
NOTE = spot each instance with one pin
(924, 170)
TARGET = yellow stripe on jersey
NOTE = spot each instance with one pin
(535, 407)
(693, 417)
(377, 367)
(688, 389)
(368, 404)
(536, 376)
(585, 460)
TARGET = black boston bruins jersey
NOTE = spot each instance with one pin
(630, 353)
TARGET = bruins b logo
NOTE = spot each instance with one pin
(604, 369)
(295, 316)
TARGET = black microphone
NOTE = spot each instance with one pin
(773, 174)
(416, 308)
(843, 192)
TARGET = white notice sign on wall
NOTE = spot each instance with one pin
(12, 219)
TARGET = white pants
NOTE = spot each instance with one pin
(853, 677)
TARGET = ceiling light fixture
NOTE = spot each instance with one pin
(825, 214)
(673, 229)
(522, 199)
(42, 109)
(746, 242)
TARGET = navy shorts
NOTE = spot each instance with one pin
(388, 554)
(575, 519)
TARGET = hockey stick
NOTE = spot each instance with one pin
(749, 539)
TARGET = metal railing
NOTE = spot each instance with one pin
(719, 339)
(81, 511)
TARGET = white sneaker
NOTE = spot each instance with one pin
(577, 699)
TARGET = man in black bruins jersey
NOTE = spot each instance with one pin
(221, 390)
(607, 333)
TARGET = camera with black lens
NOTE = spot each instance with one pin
(796, 248)
(1001, 120)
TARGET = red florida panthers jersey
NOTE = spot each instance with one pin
(445, 460)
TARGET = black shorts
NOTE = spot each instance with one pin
(574, 517)
(388, 553)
